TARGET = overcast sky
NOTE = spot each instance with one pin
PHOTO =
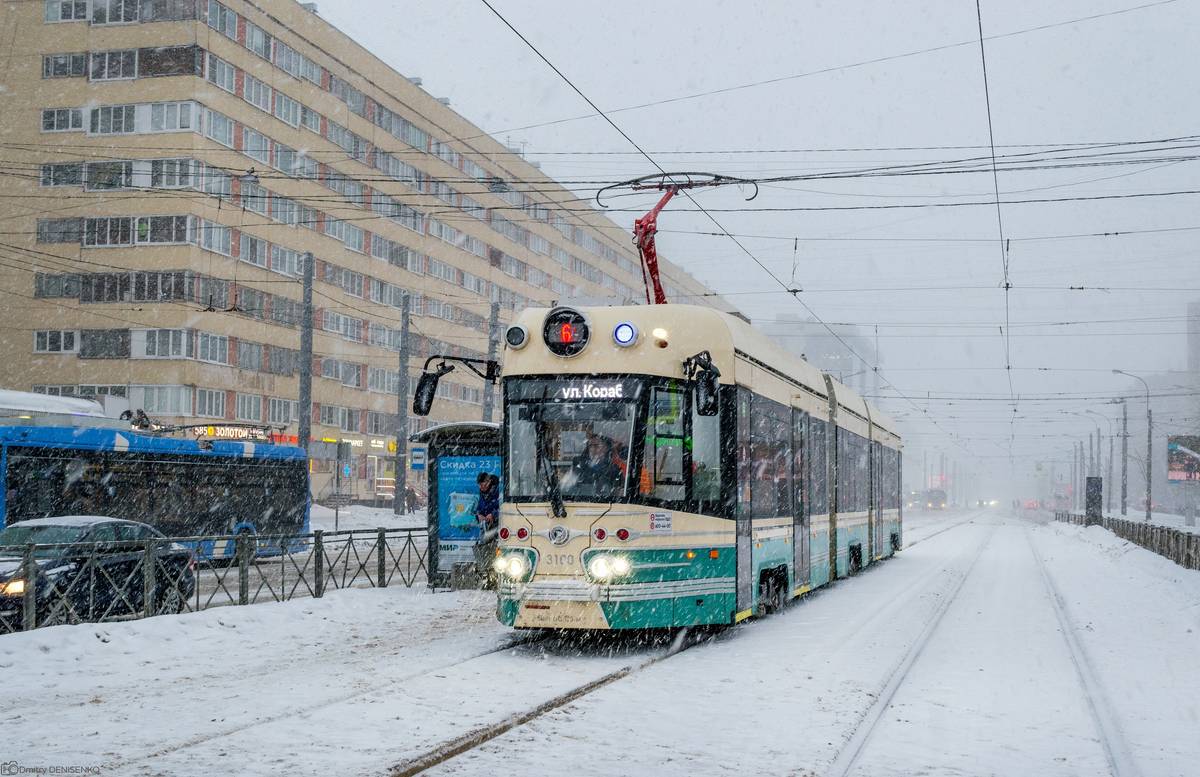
(856, 85)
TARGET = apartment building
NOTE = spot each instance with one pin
(169, 162)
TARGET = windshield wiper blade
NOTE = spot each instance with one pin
(551, 474)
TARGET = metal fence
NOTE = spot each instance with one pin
(92, 582)
(1179, 546)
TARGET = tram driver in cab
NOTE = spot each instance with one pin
(594, 472)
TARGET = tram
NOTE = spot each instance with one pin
(670, 465)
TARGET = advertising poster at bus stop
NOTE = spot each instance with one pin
(458, 497)
(1183, 459)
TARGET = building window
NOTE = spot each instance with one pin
(55, 286)
(258, 41)
(168, 10)
(256, 146)
(67, 11)
(254, 251)
(219, 127)
(310, 70)
(117, 231)
(214, 293)
(109, 175)
(162, 343)
(351, 375)
(442, 270)
(254, 198)
(222, 19)
(210, 403)
(104, 344)
(114, 65)
(310, 120)
(250, 355)
(285, 158)
(213, 348)
(170, 117)
(61, 174)
(171, 173)
(352, 283)
(304, 167)
(215, 237)
(281, 361)
(283, 210)
(162, 229)
(112, 120)
(281, 411)
(287, 110)
(170, 400)
(170, 61)
(64, 65)
(287, 59)
(335, 228)
(114, 11)
(220, 73)
(285, 262)
(354, 239)
(285, 312)
(62, 119)
(257, 94)
(55, 341)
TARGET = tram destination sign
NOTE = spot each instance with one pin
(576, 390)
(1183, 459)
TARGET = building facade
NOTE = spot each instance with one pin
(169, 163)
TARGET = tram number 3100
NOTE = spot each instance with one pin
(559, 560)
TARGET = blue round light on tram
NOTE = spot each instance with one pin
(625, 334)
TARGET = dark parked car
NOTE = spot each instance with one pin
(100, 574)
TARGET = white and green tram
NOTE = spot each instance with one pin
(670, 465)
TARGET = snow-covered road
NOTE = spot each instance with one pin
(949, 659)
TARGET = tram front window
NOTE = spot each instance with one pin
(585, 445)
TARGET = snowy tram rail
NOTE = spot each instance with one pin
(109, 580)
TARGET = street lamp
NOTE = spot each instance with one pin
(1149, 440)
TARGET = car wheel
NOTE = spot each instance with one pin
(57, 613)
(171, 603)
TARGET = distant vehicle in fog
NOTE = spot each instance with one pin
(935, 499)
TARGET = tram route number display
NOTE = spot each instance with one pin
(1183, 459)
(458, 499)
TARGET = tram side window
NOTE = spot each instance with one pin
(664, 443)
(852, 482)
(817, 444)
(770, 443)
(891, 479)
(745, 464)
(706, 461)
(800, 478)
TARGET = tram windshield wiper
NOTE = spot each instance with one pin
(552, 485)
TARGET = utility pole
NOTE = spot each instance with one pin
(1108, 480)
(1091, 460)
(1149, 457)
(400, 489)
(1124, 456)
(489, 389)
(304, 420)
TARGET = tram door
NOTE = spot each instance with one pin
(801, 535)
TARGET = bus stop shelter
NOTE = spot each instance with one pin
(456, 454)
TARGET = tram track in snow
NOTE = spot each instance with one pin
(848, 756)
(1112, 739)
(481, 735)
(521, 641)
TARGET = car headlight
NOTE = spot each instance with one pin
(13, 587)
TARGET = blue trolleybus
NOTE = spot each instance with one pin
(181, 487)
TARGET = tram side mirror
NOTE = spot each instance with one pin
(427, 390)
(707, 386)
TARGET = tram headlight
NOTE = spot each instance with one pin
(606, 567)
(601, 568)
(514, 566)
